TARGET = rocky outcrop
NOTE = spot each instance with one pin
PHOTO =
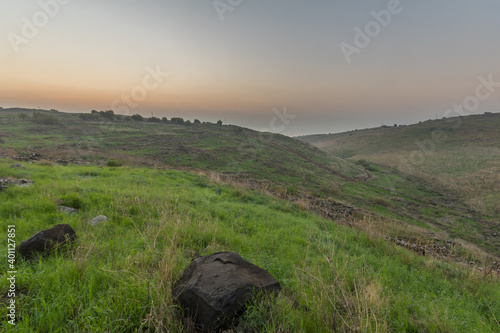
(215, 288)
(44, 241)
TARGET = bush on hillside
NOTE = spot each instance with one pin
(113, 164)
(44, 119)
(154, 120)
(177, 120)
(137, 117)
(382, 202)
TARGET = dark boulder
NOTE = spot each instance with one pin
(215, 288)
(44, 241)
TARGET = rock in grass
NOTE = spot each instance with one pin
(44, 241)
(18, 166)
(98, 220)
(67, 210)
(215, 288)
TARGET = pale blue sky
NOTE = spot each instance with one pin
(263, 55)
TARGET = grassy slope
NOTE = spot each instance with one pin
(289, 165)
(118, 276)
(464, 162)
(228, 149)
(466, 158)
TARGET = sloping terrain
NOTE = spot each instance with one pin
(227, 149)
(118, 275)
(460, 156)
(274, 164)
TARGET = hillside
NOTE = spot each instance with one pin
(283, 167)
(461, 154)
(118, 275)
(230, 150)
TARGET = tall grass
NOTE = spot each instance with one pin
(118, 276)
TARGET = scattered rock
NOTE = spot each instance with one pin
(25, 182)
(215, 288)
(98, 220)
(6, 182)
(28, 156)
(45, 240)
(67, 210)
(18, 166)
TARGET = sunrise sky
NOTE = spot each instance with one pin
(240, 59)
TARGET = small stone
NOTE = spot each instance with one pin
(24, 182)
(98, 220)
(18, 165)
(67, 210)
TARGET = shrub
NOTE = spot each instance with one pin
(44, 119)
(113, 164)
(109, 114)
(382, 202)
(137, 117)
(177, 120)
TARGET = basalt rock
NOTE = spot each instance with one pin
(215, 289)
(44, 241)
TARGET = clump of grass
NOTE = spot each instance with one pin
(382, 202)
(72, 199)
(45, 162)
(113, 163)
(45, 119)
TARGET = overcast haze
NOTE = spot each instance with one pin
(243, 63)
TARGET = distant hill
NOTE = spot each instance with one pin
(462, 154)
(231, 150)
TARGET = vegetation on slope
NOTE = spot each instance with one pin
(118, 276)
(461, 154)
(279, 163)
(458, 156)
(228, 149)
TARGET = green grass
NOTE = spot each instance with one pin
(118, 276)
(227, 149)
(239, 154)
(464, 166)
(466, 159)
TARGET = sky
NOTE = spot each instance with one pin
(287, 66)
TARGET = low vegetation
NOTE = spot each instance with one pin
(461, 154)
(118, 276)
(459, 157)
